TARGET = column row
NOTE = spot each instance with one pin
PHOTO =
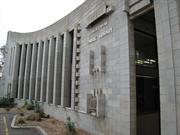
(42, 70)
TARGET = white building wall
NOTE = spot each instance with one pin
(115, 33)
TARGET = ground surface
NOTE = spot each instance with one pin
(50, 125)
(5, 125)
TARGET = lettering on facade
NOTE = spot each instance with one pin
(99, 27)
(107, 32)
(100, 35)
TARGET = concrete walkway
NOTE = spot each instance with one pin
(5, 126)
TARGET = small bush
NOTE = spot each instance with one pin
(46, 116)
(34, 117)
(21, 114)
(37, 107)
(21, 121)
(6, 102)
(70, 125)
(25, 104)
(7, 109)
(32, 103)
(29, 106)
(43, 115)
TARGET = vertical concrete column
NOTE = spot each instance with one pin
(27, 71)
(168, 38)
(12, 62)
(175, 31)
(132, 79)
(39, 71)
(15, 71)
(33, 72)
(21, 72)
(66, 71)
(44, 71)
(74, 65)
(50, 70)
(58, 71)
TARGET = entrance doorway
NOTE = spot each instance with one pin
(147, 75)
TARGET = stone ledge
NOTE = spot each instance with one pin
(26, 127)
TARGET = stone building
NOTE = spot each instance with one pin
(113, 64)
(3, 93)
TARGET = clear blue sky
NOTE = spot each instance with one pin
(32, 15)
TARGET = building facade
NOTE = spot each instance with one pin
(112, 65)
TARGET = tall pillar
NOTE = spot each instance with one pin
(21, 72)
(58, 71)
(15, 71)
(44, 71)
(39, 71)
(168, 42)
(27, 71)
(33, 72)
(66, 71)
(50, 73)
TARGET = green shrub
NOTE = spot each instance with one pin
(32, 103)
(37, 107)
(70, 125)
(6, 102)
(30, 106)
(25, 104)
(43, 115)
(21, 121)
(21, 114)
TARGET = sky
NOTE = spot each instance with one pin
(32, 15)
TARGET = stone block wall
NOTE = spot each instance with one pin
(63, 78)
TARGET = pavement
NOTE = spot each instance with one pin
(5, 126)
